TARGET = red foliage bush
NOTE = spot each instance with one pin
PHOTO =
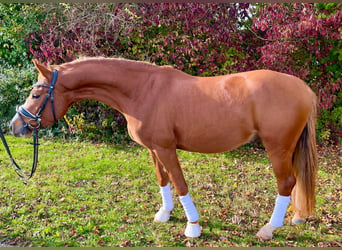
(201, 39)
(300, 40)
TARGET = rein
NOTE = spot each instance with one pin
(23, 176)
(36, 118)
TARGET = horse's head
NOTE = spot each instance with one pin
(44, 105)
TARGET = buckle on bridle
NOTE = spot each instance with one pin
(37, 121)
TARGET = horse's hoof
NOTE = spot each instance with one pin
(162, 216)
(266, 232)
(192, 230)
(298, 221)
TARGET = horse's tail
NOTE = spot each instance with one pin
(305, 166)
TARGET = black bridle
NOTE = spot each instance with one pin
(36, 118)
(21, 111)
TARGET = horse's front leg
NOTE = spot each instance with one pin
(163, 214)
(167, 159)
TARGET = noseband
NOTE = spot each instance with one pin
(36, 118)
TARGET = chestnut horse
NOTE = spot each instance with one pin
(167, 109)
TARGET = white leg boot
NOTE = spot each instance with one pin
(193, 228)
(163, 214)
(277, 219)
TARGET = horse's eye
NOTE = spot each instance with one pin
(35, 96)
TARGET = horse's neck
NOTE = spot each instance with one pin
(117, 84)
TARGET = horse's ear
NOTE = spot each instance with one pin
(45, 71)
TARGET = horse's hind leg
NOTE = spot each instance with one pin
(163, 214)
(169, 161)
(282, 165)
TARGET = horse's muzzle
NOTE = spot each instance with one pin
(18, 129)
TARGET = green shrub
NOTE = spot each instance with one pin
(17, 71)
(329, 127)
(17, 21)
(15, 85)
(92, 120)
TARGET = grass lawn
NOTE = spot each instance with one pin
(86, 194)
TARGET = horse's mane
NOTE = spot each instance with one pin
(122, 61)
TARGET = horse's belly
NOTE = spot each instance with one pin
(214, 143)
(207, 148)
